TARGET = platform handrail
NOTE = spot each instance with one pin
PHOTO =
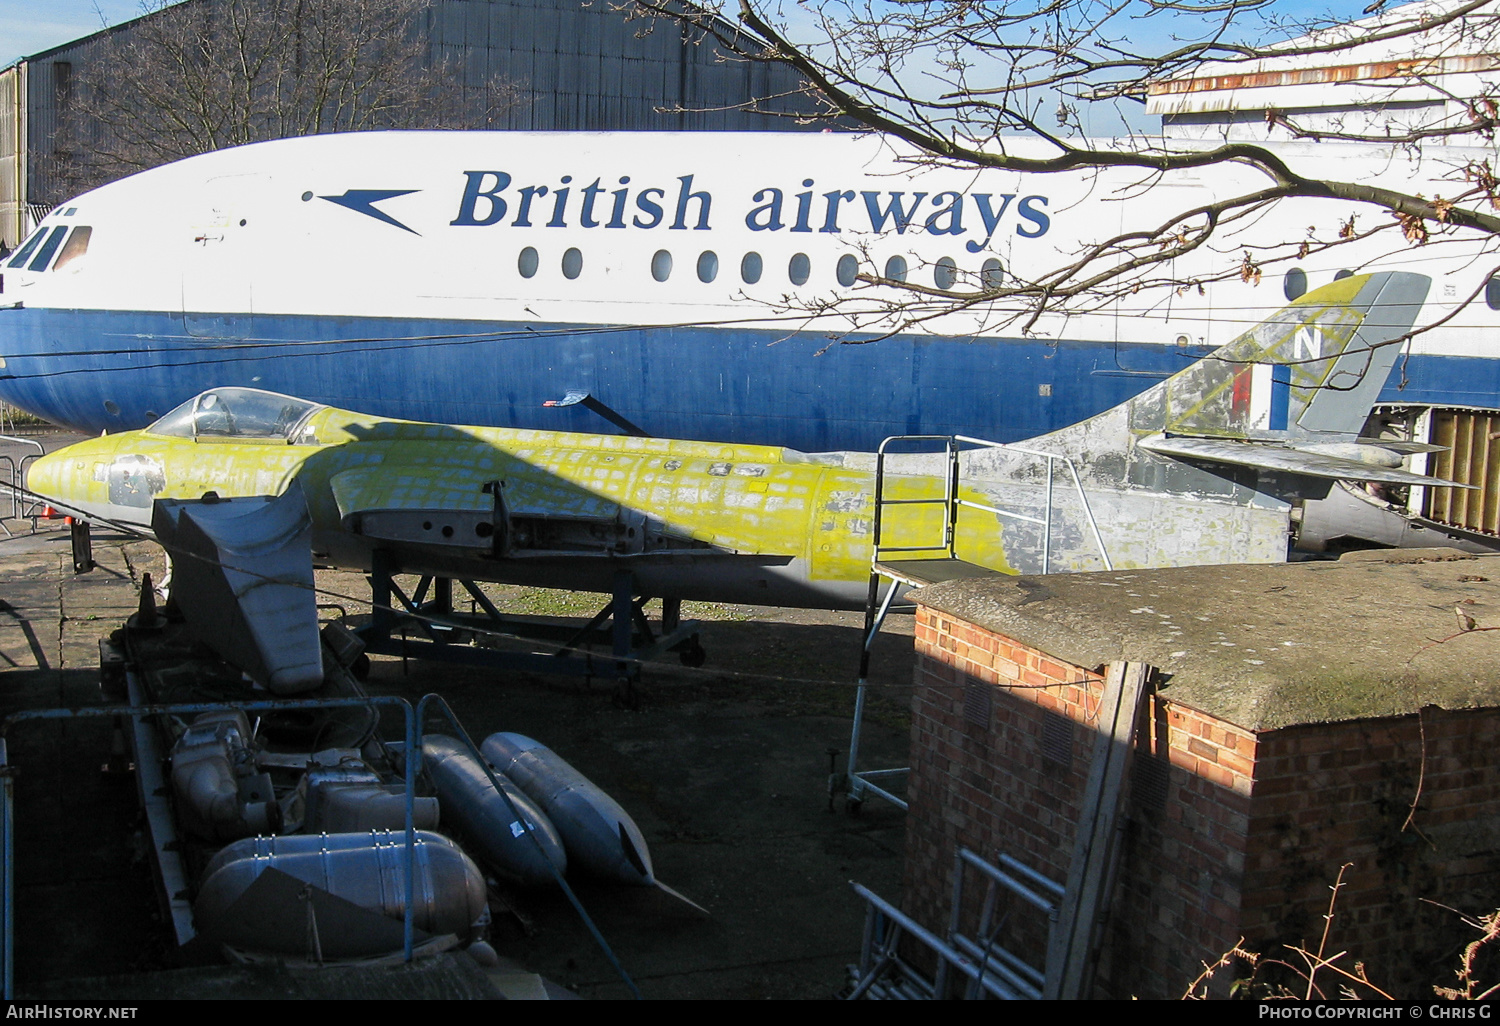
(952, 446)
(28, 504)
(10, 475)
(877, 606)
(24, 441)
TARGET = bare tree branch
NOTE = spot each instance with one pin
(964, 83)
(204, 74)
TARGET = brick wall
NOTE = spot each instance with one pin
(1231, 834)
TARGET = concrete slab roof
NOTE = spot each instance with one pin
(1373, 634)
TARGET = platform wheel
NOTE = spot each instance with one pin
(627, 696)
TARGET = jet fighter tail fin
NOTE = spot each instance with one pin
(1290, 395)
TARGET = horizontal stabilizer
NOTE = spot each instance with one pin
(1403, 447)
(1275, 457)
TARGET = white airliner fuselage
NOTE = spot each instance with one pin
(692, 284)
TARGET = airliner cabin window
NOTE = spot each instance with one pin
(1341, 275)
(945, 273)
(1295, 284)
(847, 270)
(708, 266)
(1492, 293)
(27, 248)
(572, 264)
(799, 269)
(750, 268)
(527, 263)
(992, 274)
(76, 246)
(48, 248)
(895, 268)
(661, 265)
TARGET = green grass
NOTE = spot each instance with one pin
(9, 415)
(554, 602)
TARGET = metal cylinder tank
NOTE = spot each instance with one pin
(600, 837)
(470, 802)
(293, 893)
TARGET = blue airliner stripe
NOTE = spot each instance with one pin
(723, 384)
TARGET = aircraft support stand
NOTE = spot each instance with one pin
(856, 781)
(621, 624)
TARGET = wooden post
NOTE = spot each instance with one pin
(1070, 949)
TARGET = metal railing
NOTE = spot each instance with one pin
(953, 502)
(1015, 976)
(861, 781)
(988, 969)
(15, 503)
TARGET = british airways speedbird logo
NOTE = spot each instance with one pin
(364, 200)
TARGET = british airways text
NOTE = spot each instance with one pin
(491, 198)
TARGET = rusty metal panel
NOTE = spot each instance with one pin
(1444, 433)
(1472, 457)
(13, 220)
(1481, 502)
(1401, 71)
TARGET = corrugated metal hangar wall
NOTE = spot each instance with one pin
(586, 66)
(576, 65)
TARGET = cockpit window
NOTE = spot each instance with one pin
(76, 246)
(49, 247)
(240, 414)
(178, 423)
(27, 248)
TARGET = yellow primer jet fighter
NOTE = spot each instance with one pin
(1205, 467)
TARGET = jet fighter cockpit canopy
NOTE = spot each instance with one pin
(240, 415)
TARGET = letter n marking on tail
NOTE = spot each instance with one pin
(1307, 344)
